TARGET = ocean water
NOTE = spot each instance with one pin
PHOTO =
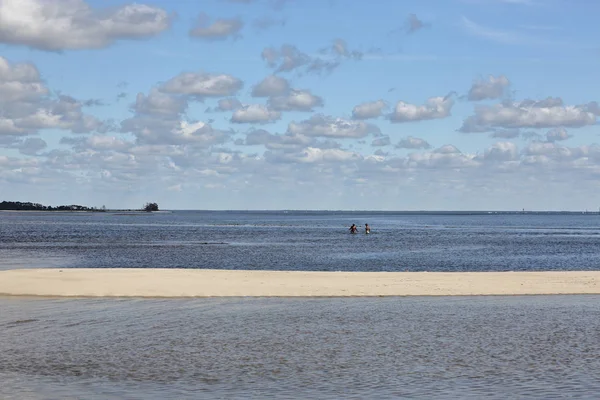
(301, 241)
(539, 347)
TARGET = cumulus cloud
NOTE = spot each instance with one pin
(368, 110)
(20, 82)
(557, 134)
(258, 136)
(272, 85)
(546, 113)
(219, 29)
(27, 106)
(158, 119)
(159, 103)
(447, 156)
(434, 108)
(198, 133)
(543, 152)
(255, 113)
(327, 126)
(295, 100)
(72, 24)
(289, 58)
(98, 143)
(490, 88)
(501, 151)
(228, 104)
(287, 142)
(202, 84)
(30, 146)
(285, 59)
(381, 141)
(413, 143)
(65, 113)
(312, 155)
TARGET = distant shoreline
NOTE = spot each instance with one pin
(375, 212)
(97, 282)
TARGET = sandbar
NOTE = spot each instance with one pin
(120, 282)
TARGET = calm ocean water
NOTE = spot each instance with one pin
(301, 241)
(540, 347)
(386, 348)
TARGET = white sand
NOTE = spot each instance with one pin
(208, 283)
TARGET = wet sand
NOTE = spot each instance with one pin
(230, 283)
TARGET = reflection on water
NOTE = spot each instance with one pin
(459, 347)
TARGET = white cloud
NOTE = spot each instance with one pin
(26, 104)
(295, 100)
(368, 110)
(272, 85)
(445, 157)
(159, 103)
(9, 127)
(98, 143)
(501, 151)
(20, 82)
(198, 133)
(547, 113)
(72, 24)
(326, 126)
(490, 88)
(255, 113)
(413, 143)
(381, 141)
(312, 155)
(557, 134)
(434, 108)
(289, 58)
(228, 104)
(203, 84)
(287, 143)
(219, 29)
(29, 146)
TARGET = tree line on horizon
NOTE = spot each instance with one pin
(30, 206)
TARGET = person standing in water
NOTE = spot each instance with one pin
(367, 229)
(353, 229)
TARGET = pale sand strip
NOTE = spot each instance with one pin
(209, 283)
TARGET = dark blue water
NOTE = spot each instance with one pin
(316, 241)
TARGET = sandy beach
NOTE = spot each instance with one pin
(231, 283)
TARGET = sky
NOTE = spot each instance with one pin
(301, 104)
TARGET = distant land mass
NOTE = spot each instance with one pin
(29, 206)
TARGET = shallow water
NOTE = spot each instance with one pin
(416, 347)
(301, 241)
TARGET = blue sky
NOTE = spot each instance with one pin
(301, 104)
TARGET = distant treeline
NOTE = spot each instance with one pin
(29, 206)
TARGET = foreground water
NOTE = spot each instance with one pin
(460, 347)
(301, 241)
